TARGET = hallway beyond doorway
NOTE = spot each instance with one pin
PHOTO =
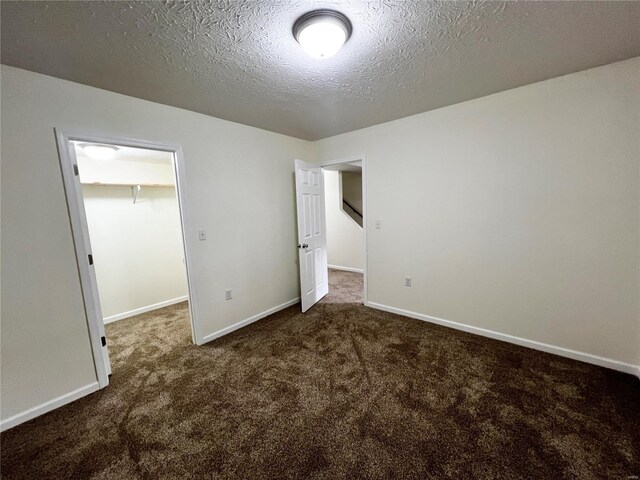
(344, 287)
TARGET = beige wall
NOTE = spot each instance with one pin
(516, 213)
(45, 344)
(352, 189)
(345, 238)
(137, 248)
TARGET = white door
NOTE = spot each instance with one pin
(312, 236)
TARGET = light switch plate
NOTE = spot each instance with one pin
(202, 235)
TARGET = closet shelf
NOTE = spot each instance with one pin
(132, 184)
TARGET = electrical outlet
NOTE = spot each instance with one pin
(407, 281)
(228, 295)
(202, 235)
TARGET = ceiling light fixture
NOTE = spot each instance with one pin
(100, 152)
(322, 32)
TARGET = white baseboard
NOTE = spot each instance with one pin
(34, 412)
(563, 352)
(247, 321)
(148, 308)
(346, 269)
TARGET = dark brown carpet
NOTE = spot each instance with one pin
(340, 392)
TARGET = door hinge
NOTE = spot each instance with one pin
(90, 259)
(104, 341)
(75, 170)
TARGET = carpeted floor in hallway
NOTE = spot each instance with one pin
(341, 392)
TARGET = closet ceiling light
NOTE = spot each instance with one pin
(321, 33)
(100, 152)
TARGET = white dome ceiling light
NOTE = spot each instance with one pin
(100, 152)
(321, 33)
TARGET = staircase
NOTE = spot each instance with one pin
(352, 212)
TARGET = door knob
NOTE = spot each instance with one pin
(304, 245)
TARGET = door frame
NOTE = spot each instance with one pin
(358, 158)
(80, 230)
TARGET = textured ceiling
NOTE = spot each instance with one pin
(237, 60)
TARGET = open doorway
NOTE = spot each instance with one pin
(315, 208)
(344, 216)
(124, 200)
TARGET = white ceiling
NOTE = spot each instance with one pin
(237, 60)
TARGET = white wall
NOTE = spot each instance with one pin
(516, 213)
(345, 238)
(137, 248)
(240, 189)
